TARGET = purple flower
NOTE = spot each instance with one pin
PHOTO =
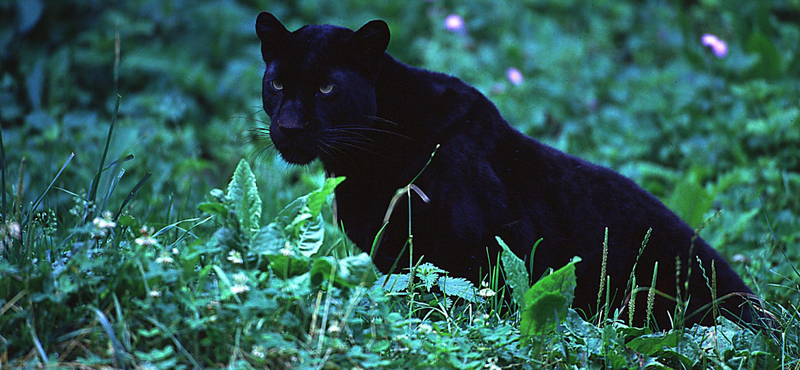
(514, 76)
(454, 23)
(719, 47)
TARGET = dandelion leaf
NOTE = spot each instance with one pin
(347, 272)
(318, 197)
(547, 301)
(243, 193)
(517, 277)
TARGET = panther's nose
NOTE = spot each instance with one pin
(291, 133)
(290, 127)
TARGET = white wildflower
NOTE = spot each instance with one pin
(740, 258)
(240, 277)
(104, 224)
(259, 351)
(155, 293)
(425, 328)
(14, 230)
(241, 283)
(334, 328)
(486, 293)
(145, 231)
(164, 258)
(145, 241)
(239, 288)
(235, 257)
(287, 250)
(491, 364)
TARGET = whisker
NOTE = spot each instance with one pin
(321, 146)
(339, 132)
(356, 139)
(353, 129)
(334, 148)
(246, 116)
(262, 154)
(352, 143)
(381, 119)
(336, 144)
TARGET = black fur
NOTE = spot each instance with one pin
(378, 127)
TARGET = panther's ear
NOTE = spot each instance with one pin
(372, 37)
(271, 33)
(368, 44)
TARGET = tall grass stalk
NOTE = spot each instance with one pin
(91, 200)
(632, 302)
(651, 296)
(603, 266)
(631, 278)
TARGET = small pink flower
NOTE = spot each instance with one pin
(514, 76)
(719, 47)
(454, 23)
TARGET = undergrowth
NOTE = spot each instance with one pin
(245, 293)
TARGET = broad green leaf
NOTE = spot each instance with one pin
(517, 277)
(348, 272)
(243, 193)
(547, 301)
(323, 268)
(769, 58)
(289, 214)
(213, 208)
(318, 197)
(311, 236)
(428, 273)
(691, 201)
(295, 235)
(458, 287)
(268, 240)
(590, 334)
(288, 265)
(393, 283)
(653, 344)
(360, 269)
(156, 354)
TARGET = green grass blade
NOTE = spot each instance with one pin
(111, 186)
(115, 343)
(131, 194)
(174, 340)
(96, 180)
(41, 197)
(37, 343)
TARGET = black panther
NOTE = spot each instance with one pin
(335, 94)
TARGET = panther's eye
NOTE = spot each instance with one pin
(327, 89)
(276, 85)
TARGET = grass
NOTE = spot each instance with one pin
(122, 255)
(251, 294)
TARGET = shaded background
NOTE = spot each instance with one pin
(625, 84)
